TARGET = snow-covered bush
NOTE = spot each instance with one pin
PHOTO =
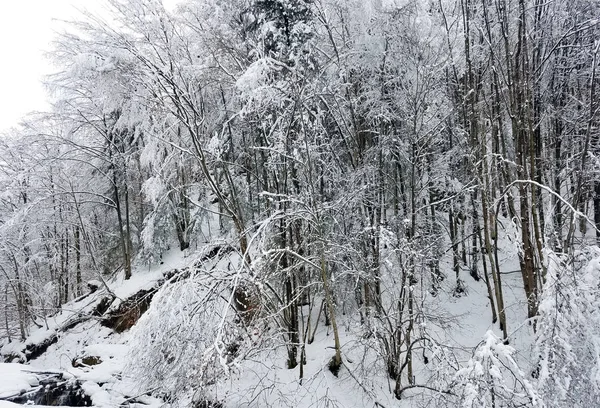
(186, 341)
(492, 378)
(568, 335)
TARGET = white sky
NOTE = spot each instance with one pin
(26, 30)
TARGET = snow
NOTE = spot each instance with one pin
(16, 379)
(90, 339)
(262, 378)
(112, 357)
(7, 404)
(82, 341)
(255, 76)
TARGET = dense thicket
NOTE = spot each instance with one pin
(343, 148)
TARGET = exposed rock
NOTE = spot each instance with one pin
(103, 306)
(129, 311)
(86, 361)
(212, 253)
(15, 358)
(53, 390)
(33, 351)
(94, 285)
(208, 404)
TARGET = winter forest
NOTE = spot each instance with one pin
(308, 203)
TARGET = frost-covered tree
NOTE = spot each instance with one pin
(351, 154)
(492, 378)
(567, 337)
(190, 339)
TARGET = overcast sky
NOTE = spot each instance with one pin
(26, 30)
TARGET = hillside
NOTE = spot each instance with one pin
(102, 351)
(306, 203)
(90, 342)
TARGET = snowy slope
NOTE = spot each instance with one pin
(261, 378)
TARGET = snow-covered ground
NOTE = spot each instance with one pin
(88, 338)
(263, 379)
(15, 379)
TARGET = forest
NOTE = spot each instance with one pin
(350, 166)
